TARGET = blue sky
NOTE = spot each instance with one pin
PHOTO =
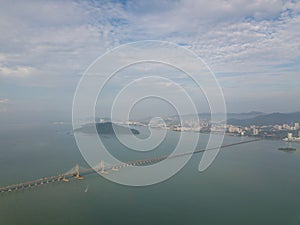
(253, 47)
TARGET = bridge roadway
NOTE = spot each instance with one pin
(75, 175)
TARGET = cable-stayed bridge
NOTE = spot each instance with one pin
(78, 172)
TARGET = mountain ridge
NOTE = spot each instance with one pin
(268, 119)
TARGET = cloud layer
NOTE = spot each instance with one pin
(252, 46)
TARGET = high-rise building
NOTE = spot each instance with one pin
(255, 131)
(296, 126)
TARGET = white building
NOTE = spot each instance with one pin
(291, 138)
(255, 131)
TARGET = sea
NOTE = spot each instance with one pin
(249, 184)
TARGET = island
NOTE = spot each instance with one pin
(287, 149)
(107, 128)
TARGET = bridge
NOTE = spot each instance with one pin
(78, 173)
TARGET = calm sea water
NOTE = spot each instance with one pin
(251, 184)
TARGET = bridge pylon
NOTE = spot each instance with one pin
(77, 173)
(102, 168)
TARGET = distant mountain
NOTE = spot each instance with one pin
(207, 116)
(107, 128)
(267, 119)
(246, 115)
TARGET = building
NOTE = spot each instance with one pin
(290, 138)
(286, 126)
(255, 131)
(233, 129)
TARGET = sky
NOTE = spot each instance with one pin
(252, 47)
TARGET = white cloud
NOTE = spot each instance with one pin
(223, 33)
(3, 100)
(19, 71)
(50, 43)
(53, 40)
(3, 103)
(219, 31)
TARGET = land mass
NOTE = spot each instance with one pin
(268, 119)
(106, 128)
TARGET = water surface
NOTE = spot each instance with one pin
(247, 184)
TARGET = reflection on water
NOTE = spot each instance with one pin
(247, 184)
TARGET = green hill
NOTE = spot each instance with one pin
(107, 128)
(268, 119)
